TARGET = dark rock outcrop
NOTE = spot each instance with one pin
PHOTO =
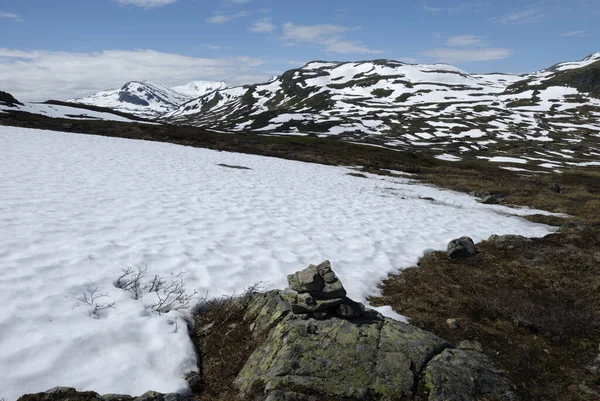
(460, 375)
(8, 99)
(462, 247)
(349, 355)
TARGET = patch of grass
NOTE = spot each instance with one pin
(533, 305)
(225, 343)
(381, 92)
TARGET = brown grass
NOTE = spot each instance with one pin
(533, 305)
(225, 343)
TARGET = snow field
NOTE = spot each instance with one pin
(76, 209)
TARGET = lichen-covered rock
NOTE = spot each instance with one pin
(319, 281)
(462, 247)
(465, 375)
(506, 241)
(357, 358)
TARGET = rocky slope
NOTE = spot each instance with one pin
(438, 107)
(147, 99)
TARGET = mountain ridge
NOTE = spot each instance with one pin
(148, 99)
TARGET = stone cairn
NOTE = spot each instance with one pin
(317, 291)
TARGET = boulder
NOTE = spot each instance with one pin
(358, 358)
(461, 375)
(318, 291)
(462, 247)
(345, 352)
(319, 281)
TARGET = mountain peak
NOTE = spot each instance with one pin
(149, 99)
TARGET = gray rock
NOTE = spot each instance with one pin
(489, 200)
(307, 280)
(319, 281)
(506, 241)
(464, 375)
(357, 358)
(452, 324)
(461, 248)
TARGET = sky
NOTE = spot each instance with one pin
(62, 49)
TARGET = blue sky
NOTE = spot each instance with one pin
(68, 48)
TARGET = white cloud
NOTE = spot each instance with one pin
(528, 16)
(579, 33)
(330, 37)
(465, 40)
(454, 9)
(221, 18)
(146, 3)
(11, 16)
(208, 46)
(452, 56)
(41, 75)
(264, 25)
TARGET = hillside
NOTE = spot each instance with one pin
(550, 116)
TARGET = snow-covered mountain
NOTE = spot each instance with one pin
(148, 99)
(199, 88)
(395, 104)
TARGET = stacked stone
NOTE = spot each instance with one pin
(318, 292)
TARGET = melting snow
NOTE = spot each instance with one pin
(76, 209)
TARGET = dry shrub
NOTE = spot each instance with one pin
(225, 342)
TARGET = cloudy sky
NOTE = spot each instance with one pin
(69, 48)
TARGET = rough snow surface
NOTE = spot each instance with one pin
(76, 209)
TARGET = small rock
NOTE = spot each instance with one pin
(489, 200)
(506, 241)
(195, 381)
(470, 345)
(452, 324)
(319, 281)
(464, 375)
(307, 280)
(461, 248)
(479, 194)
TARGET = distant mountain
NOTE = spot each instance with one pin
(148, 99)
(401, 105)
(199, 88)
